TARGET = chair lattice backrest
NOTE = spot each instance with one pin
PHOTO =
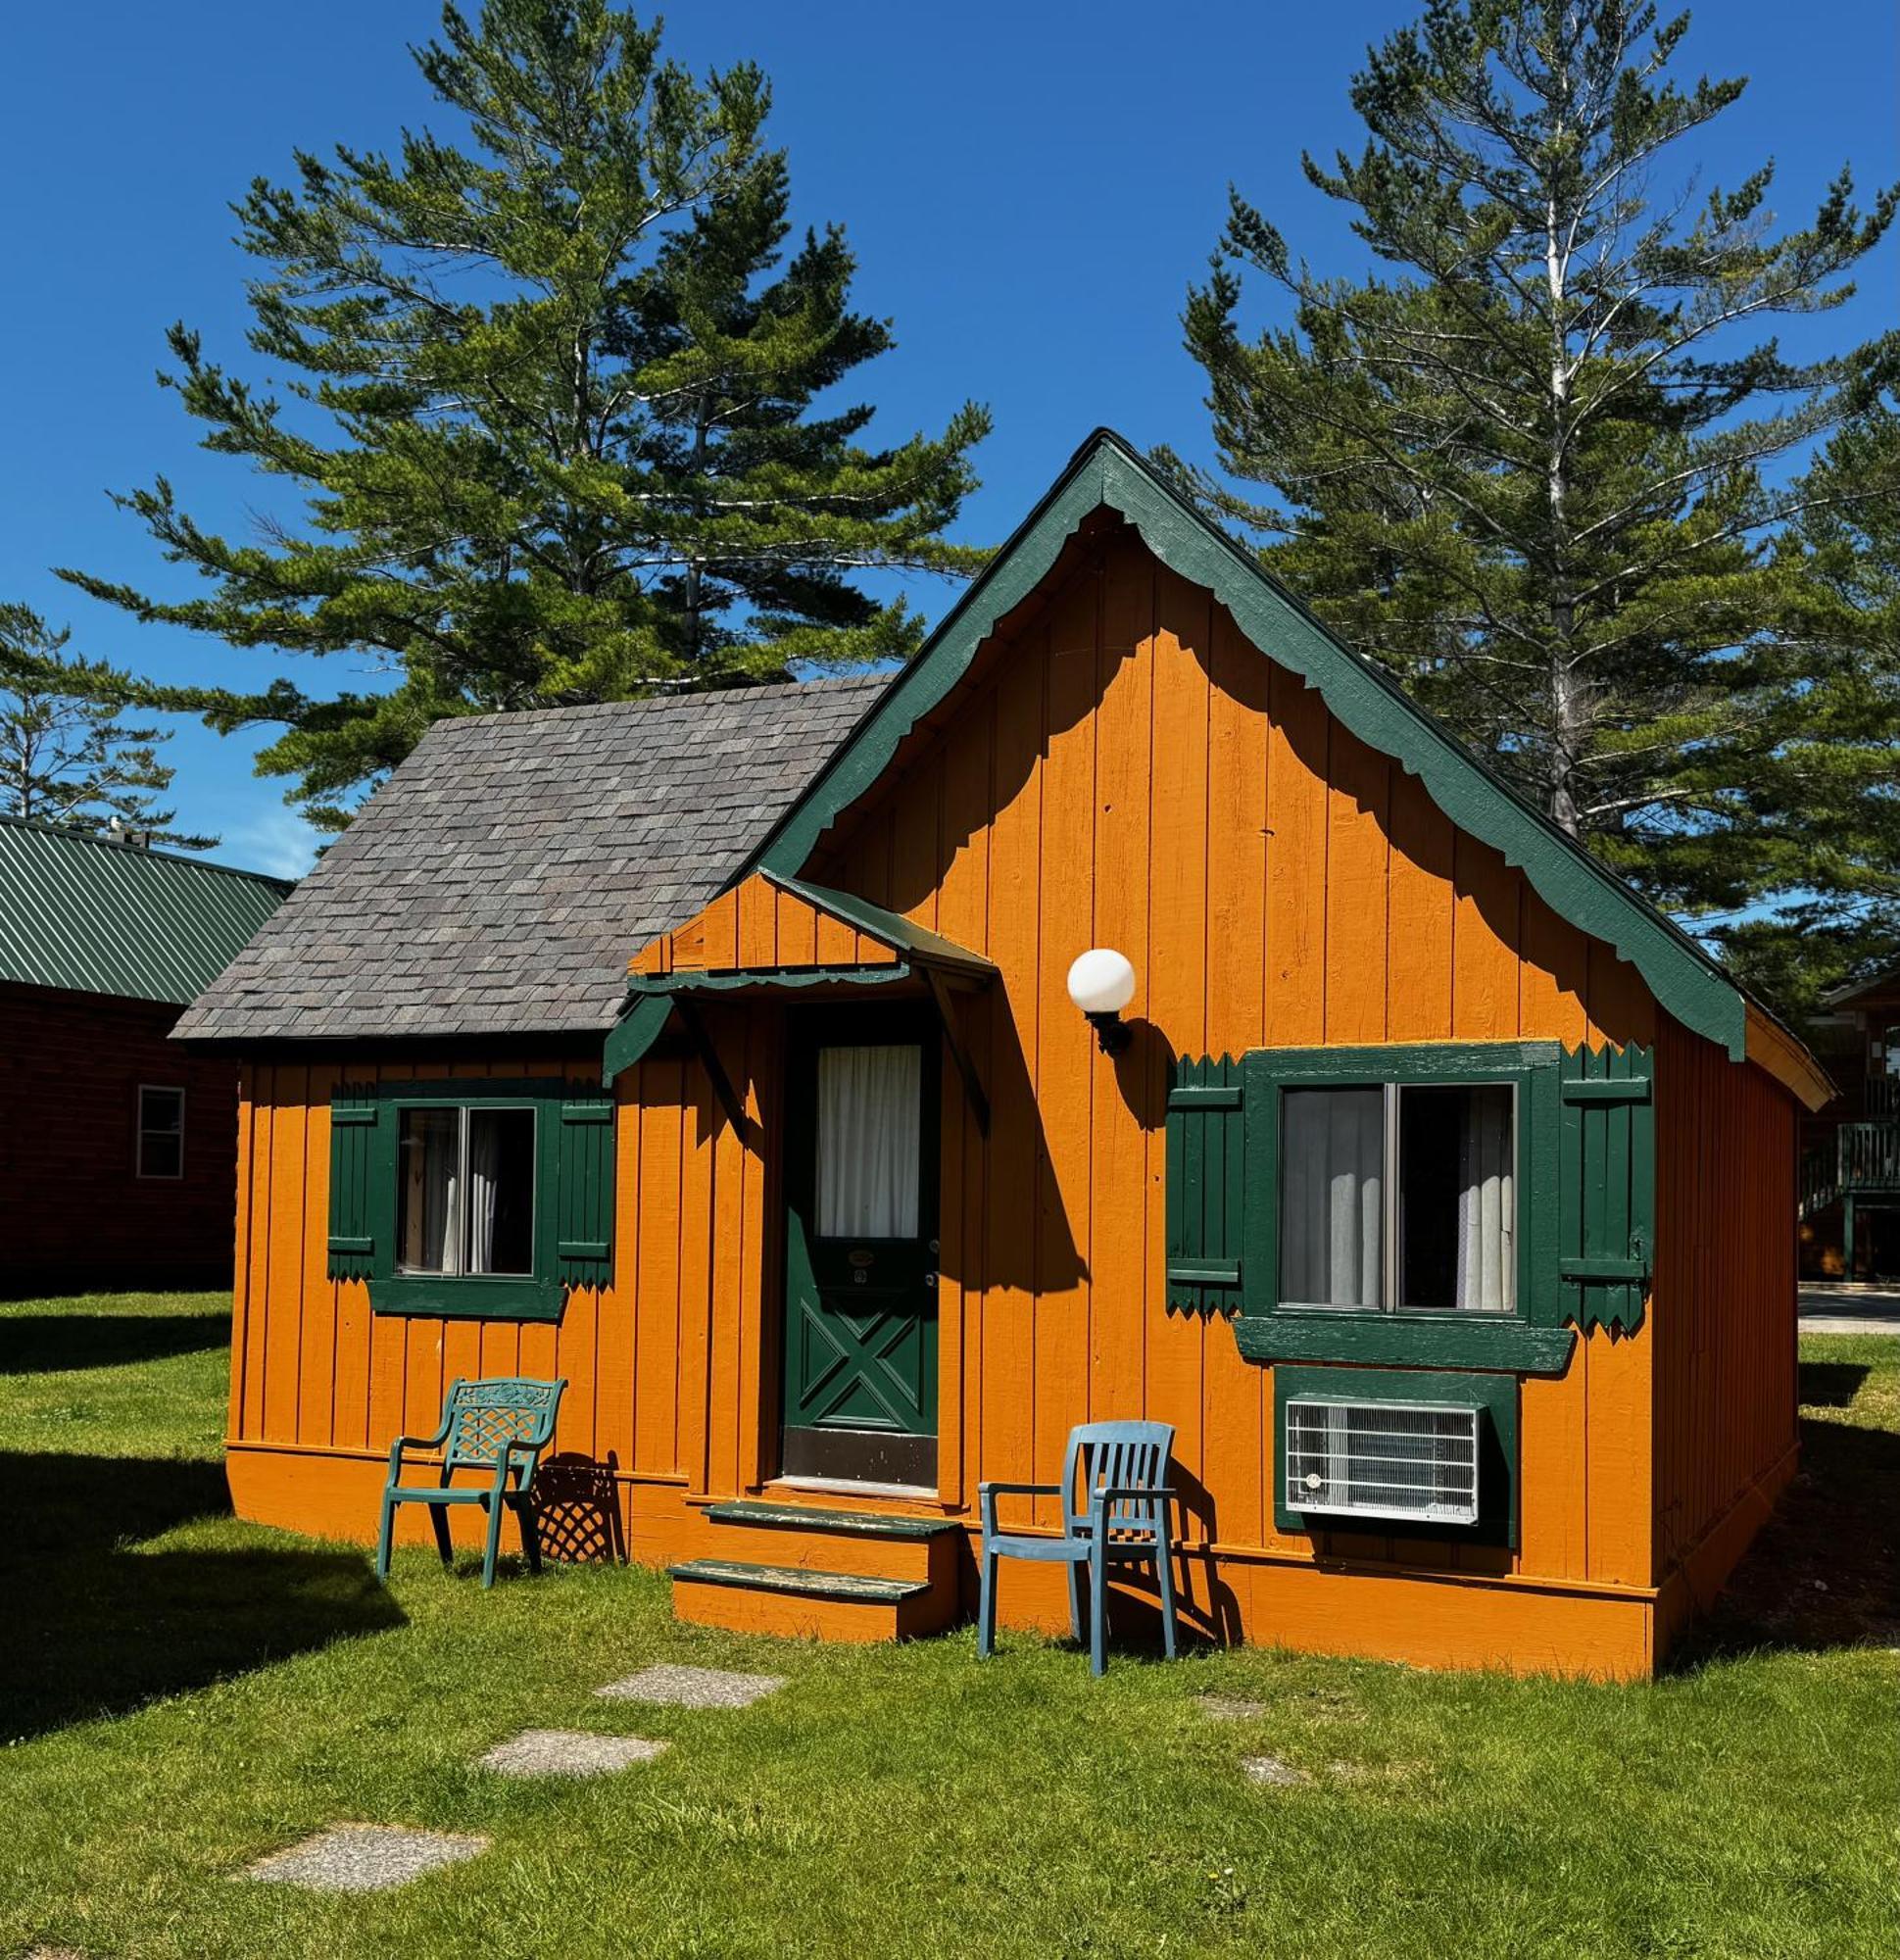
(1118, 1456)
(484, 1419)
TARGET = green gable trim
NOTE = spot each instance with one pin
(1010, 577)
(1498, 1445)
(901, 934)
(689, 982)
(650, 998)
(641, 1022)
(1106, 472)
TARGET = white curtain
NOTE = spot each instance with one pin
(868, 1142)
(431, 1147)
(1486, 1205)
(484, 1164)
(1332, 1147)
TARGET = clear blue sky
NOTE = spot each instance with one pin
(1029, 187)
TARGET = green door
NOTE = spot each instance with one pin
(861, 1309)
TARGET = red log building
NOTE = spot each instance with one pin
(117, 1146)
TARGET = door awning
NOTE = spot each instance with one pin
(771, 933)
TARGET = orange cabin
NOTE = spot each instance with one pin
(718, 1053)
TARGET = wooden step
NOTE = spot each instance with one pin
(818, 1517)
(801, 1601)
(869, 1544)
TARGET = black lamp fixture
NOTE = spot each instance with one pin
(1102, 983)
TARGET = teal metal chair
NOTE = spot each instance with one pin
(1115, 1511)
(496, 1428)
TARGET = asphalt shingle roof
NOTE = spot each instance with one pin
(500, 880)
(82, 913)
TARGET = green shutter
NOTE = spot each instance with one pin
(584, 1191)
(355, 1115)
(1606, 1166)
(1206, 1197)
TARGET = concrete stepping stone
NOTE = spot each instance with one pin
(693, 1688)
(1271, 1770)
(363, 1858)
(1230, 1708)
(568, 1752)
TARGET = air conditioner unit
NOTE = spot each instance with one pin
(1382, 1459)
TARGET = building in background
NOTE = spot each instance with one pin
(1850, 1163)
(118, 1148)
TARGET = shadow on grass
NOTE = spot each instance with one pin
(95, 1626)
(33, 1343)
(1832, 1384)
(1824, 1571)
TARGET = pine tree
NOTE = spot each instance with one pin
(66, 757)
(551, 413)
(1527, 464)
(1836, 791)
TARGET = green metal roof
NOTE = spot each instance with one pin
(82, 913)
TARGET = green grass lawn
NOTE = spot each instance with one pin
(191, 1692)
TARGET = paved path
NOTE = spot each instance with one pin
(1850, 1310)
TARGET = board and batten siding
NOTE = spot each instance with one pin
(1121, 768)
(310, 1365)
(1727, 1292)
(658, 1365)
(1129, 772)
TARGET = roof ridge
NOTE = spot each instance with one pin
(696, 697)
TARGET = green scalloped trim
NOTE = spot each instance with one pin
(650, 998)
(1684, 980)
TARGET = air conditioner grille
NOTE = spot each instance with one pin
(1382, 1460)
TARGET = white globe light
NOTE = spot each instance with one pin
(1102, 981)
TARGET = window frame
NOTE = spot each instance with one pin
(463, 1111)
(1495, 1397)
(1391, 1222)
(533, 1295)
(140, 1131)
(1531, 1338)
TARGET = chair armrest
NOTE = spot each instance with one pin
(403, 1442)
(987, 1493)
(1099, 1500)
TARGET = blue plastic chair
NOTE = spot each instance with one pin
(497, 1429)
(1115, 1510)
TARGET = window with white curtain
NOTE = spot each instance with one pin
(1400, 1197)
(464, 1192)
(870, 1139)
